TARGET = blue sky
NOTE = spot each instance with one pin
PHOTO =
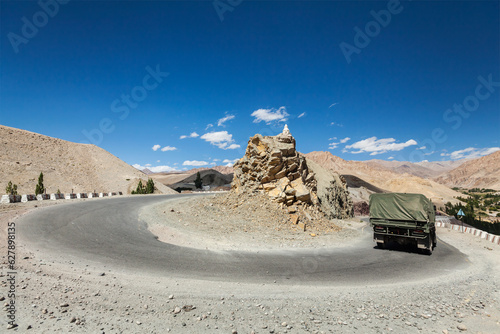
(173, 85)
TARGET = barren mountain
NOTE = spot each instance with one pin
(209, 177)
(170, 178)
(482, 172)
(221, 169)
(423, 169)
(385, 179)
(65, 165)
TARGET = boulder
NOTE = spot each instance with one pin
(272, 165)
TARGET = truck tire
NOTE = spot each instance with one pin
(380, 245)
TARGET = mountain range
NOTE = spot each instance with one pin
(77, 167)
(66, 166)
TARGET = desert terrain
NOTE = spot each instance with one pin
(66, 166)
(299, 263)
(64, 293)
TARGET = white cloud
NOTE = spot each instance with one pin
(337, 124)
(232, 147)
(221, 139)
(156, 147)
(168, 148)
(333, 146)
(155, 169)
(209, 126)
(216, 160)
(378, 146)
(422, 148)
(301, 115)
(194, 163)
(191, 135)
(157, 161)
(345, 140)
(270, 115)
(470, 153)
(332, 105)
(229, 163)
(147, 165)
(223, 120)
(390, 158)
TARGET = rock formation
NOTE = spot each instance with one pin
(272, 165)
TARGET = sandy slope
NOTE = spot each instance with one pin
(483, 172)
(386, 179)
(66, 166)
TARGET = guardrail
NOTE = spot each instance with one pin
(445, 222)
(5, 199)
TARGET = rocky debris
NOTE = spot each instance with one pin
(268, 214)
(361, 209)
(272, 165)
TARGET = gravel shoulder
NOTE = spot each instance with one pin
(203, 224)
(57, 295)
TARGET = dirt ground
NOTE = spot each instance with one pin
(220, 222)
(60, 295)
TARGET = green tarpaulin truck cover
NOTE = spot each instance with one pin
(397, 206)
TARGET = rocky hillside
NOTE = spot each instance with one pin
(482, 172)
(272, 165)
(384, 179)
(425, 169)
(209, 177)
(65, 165)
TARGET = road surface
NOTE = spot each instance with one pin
(108, 231)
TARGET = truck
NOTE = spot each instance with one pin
(403, 218)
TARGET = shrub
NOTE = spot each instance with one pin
(11, 189)
(40, 189)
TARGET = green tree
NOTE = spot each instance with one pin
(150, 186)
(40, 189)
(11, 189)
(140, 189)
(198, 183)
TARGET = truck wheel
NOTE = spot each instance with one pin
(380, 245)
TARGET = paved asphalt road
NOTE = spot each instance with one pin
(108, 231)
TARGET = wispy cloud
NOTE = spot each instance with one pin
(195, 163)
(221, 139)
(345, 140)
(229, 163)
(156, 147)
(337, 124)
(191, 135)
(333, 104)
(209, 126)
(168, 148)
(270, 115)
(224, 119)
(470, 153)
(155, 169)
(334, 145)
(301, 115)
(376, 146)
